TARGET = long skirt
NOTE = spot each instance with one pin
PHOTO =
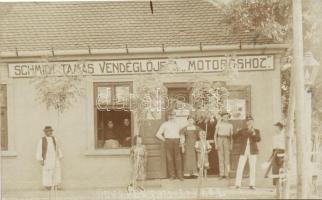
(190, 160)
(277, 164)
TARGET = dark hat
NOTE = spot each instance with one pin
(48, 128)
(249, 117)
(190, 117)
(279, 124)
(225, 113)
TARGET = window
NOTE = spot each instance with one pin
(4, 117)
(112, 115)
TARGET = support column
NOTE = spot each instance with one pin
(300, 98)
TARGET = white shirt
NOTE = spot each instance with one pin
(279, 141)
(224, 128)
(170, 130)
(52, 156)
(247, 150)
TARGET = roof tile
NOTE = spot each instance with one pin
(68, 25)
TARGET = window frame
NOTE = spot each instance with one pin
(11, 151)
(113, 85)
(4, 105)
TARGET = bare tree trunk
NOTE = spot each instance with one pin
(300, 98)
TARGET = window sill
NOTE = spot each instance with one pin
(108, 152)
(9, 154)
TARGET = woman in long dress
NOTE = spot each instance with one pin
(189, 135)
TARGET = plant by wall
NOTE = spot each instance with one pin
(209, 99)
(148, 99)
(58, 92)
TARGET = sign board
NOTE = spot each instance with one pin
(237, 108)
(144, 66)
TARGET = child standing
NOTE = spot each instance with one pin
(203, 147)
(139, 161)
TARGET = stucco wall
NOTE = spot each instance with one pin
(78, 169)
(74, 129)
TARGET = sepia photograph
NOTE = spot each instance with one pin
(160, 99)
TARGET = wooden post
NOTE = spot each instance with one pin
(288, 140)
(300, 98)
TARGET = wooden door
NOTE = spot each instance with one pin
(239, 93)
(183, 94)
(156, 166)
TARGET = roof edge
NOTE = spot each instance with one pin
(89, 51)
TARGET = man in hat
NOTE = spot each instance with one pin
(222, 138)
(169, 133)
(49, 155)
(248, 138)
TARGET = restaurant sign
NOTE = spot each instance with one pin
(144, 66)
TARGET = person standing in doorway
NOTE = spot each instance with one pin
(190, 135)
(169, 133)
(49, 155)
(248, 137)
(222, 138)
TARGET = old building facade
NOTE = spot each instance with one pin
(115, 44)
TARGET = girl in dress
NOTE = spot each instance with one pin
(203, 147)
(189, 137)
(139, 161)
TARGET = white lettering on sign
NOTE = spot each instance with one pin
(110, 67)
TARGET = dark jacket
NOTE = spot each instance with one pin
(242, 136)
(110, 134)
(44, 146)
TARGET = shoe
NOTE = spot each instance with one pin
(48, 188)
(222, 177)
(252, 187)
(181, 179)
(172, 178)
(194, 176)
(237, 187)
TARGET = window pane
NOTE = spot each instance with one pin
(4, 117)
(122, 94)
(104, 95)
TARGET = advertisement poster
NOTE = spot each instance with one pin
(237, 108)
